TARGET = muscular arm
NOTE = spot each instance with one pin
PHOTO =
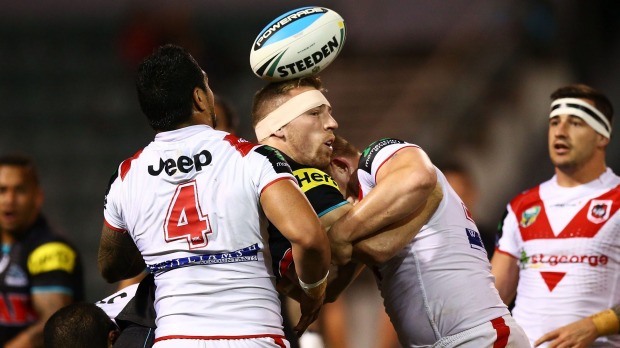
(290, 212)
(118, 258)
(384, 244)
(45, 304)
(506, 271)
(404, 183)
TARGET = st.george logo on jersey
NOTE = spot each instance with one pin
(599, 210)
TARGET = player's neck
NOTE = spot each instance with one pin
(579, 175)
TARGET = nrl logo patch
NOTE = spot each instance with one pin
(529, 216)
(599, 210)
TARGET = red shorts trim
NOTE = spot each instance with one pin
(277, 338)
(503, 332)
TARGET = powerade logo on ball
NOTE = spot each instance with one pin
(293, 21)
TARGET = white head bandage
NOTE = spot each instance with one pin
(583, 110)
(288, 111)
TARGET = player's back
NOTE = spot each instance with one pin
(446, 275)
(190, 201)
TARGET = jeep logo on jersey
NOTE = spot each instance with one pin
(529, 216)
(183, 164)
(599, 210)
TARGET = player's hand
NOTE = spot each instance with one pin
(579, 334)
(310, 308)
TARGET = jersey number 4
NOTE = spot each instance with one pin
(185, 219)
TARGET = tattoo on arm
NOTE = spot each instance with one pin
(119, 258)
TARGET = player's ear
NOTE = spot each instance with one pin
(279, 133)
(200, 99)
(113, 336)
(602, 140)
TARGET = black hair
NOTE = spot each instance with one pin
(78, 325)
(165, 83)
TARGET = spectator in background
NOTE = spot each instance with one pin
(41, 272)
(226, 116)
(80, 325)
(559, 243)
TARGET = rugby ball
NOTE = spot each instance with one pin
(298, 43)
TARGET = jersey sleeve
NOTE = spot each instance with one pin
(372, 158)
(54, 267)
(269, 166)
(320, 189)
(508, 239)
(112, 212)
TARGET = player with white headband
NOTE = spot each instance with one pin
(559, 243)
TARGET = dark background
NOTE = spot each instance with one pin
(465, 79)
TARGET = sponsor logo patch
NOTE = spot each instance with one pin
(529, 216)
(599, 210)
(309, 178)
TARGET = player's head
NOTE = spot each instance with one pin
(21, 196)
(580, 125)
(172, 89)
(226, 116)
(343, 167)
(79, 325)
(295, 117)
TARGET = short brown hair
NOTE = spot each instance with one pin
(581, 91)
(269, 97)
(342, 148)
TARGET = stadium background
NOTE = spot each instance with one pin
(466, 79)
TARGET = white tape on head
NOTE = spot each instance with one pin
(588, 113)
(288, 111)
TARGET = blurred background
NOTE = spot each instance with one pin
(465, 79)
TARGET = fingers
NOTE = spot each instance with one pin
(546, 337)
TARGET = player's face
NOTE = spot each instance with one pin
(310, 136)
(572, 142)
(20, 199)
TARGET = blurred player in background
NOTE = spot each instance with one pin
(41, 271)
(559, 249)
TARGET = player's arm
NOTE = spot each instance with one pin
(389, 240)
(45, 304)
(290, 212)
(582, 333)
(404, 183)
(506, 271)
(118, 258)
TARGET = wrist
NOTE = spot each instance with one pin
(606, 322)
(315, 290)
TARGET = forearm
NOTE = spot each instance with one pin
(389, 240)
(397, 196)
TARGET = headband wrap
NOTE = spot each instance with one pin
(289, 111)
(588, 113)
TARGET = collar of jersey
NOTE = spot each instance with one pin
(181, 133)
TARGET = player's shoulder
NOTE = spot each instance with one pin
(526, 197)
(369, 154)
(309, 178)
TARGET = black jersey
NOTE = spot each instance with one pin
(322, 193)
(39, 261)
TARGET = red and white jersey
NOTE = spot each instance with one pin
(190, 201)
(567, 243)
(440, 284)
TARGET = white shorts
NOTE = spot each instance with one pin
(500, 332)
(256, 342)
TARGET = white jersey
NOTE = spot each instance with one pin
(440, 284)
(567, 243)
(115, 303)
(190, 201)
